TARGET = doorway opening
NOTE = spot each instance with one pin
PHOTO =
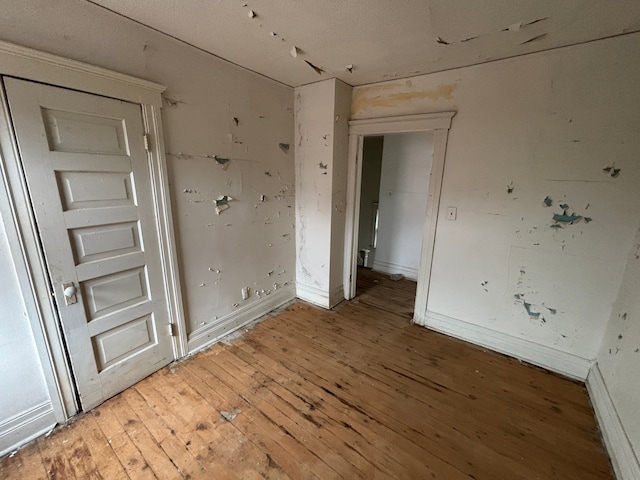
(399, 228)
(393, 203)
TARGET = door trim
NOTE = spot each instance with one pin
(25, 63)
(439, 123)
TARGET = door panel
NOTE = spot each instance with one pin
(88, 178)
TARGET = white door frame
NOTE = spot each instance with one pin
(439, 123)
(28, 64)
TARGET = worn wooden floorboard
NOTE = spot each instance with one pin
(357, 392)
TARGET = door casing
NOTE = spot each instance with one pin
(439, 123)
(28, 64)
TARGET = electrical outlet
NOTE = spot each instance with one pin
(452, 213)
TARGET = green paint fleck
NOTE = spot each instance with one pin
(564, 218)
(532, 314)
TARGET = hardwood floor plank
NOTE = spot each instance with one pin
(356, 392)
(52, 450)
(178, 451)
(125, 449)
(25, 464)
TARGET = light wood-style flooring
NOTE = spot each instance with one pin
(356, 392)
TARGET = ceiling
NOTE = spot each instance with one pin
(365, 41)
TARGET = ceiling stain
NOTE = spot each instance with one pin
(373, 96)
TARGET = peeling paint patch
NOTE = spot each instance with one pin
(510, 188)
(223, 162)
(441, 41)
(170, 102)
(535, 39)
(323, 166)
(565, 218)
(316, 69)
(371, 97)
(548, 201)
(222, 203)
(284, 147)
(613, 171)
(530, 312)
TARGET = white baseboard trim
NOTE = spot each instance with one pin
(549, 358)
(624, 460)
(319, 296)
(388, 267)
(336, 295)
(26, 426)
(205, 336)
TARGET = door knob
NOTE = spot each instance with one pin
(69, 291)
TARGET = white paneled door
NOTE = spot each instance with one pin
(88, 177)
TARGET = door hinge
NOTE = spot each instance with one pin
(147, 146)
(172, 330)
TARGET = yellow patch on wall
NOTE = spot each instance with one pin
(376, 96)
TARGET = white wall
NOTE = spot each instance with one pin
(404, 185)
(249, 245)
(619, 356)
(321, 115)
(25, 403)
(546, 124)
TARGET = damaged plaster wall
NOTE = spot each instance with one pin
(619, 355)
(213, 111)
(404, 185)
(546, 124)
(321, 133)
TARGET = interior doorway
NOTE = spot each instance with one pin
(393, 202)
(394, 254)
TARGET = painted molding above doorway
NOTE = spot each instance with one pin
(439, 123)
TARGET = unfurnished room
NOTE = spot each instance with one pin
(320, 239)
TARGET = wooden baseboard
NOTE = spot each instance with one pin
(320, 297)
(203, 337)
(624, 460)
(543, 356)
(388, 267)
(26, 426)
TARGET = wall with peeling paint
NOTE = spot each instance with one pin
(211, 108)
(619, 355)
(321, 132)
(404, 185)
(526, 128)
